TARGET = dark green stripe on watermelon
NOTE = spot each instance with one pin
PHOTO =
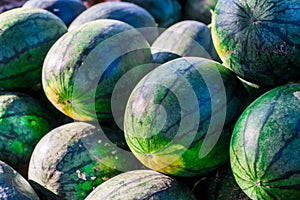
(23, 122)
(264, 149)
(82, 68)
(13, 185)
(178, 106)
(259, 40)
(73, 159)
(25, 37)
(129, 13)
(185, 38)
(141, 184)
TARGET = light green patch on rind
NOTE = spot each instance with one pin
(257, 40)
(263, 150)
(23, 122)
(26, 37)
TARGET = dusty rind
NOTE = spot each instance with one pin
(23, 122)
(172, 109)
(66, 10)
(129, 13)
(186, 38)
(165, 12)
(141, 184)
(83, 66)
(264, 147)
(25, 37)
(259, 40)
(13, 185)
(74, 158)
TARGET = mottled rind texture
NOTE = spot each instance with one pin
(259, 40)
(23, 122)
(82, 68)
(26, 35)
(129, 13)
(186, 38)
(73, 159)
(141, 184)
(13, 185)
(178, 117)
(264, 149)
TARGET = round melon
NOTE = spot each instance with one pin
(25, 37)
(165, 12)
(178, 117)
(66, 10)
(259, 40)
(13, 185)
(23, 122)
(141, 184)
(185, 38)
(74, 158)
(130, 13)
(264, 149)
(82, 68)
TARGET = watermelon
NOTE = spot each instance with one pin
(264, 149)
(185, 38)
(74, 158)
(23, 122)
(220, 185)
(25, 37)
(259, 40)
(178, 118)
(66, 10)
(13, 185)
(165, 12)
(130, 13)
(199, 10)
(141, 184)
(82, 68)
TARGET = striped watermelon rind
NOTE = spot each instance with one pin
(13, 185)
(174, 107)
(25, 37)
(141, 184)
(264, 146)
(257, 40)
(23, 122)
(74, 158)
(83, 66)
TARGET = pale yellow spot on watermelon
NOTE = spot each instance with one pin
(167, 160)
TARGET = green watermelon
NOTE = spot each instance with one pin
(199, 10)
(141, 184)
(259, 40)
(13, 185)
(130, 13)
(220, 185)
(74, 158)
(264, 149)
(23, 122)
(165, 12)
(185, 38)
(66, 10)
(178, 118)
(25, 37)
(82, 68)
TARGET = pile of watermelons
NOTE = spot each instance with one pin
(150, 99)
